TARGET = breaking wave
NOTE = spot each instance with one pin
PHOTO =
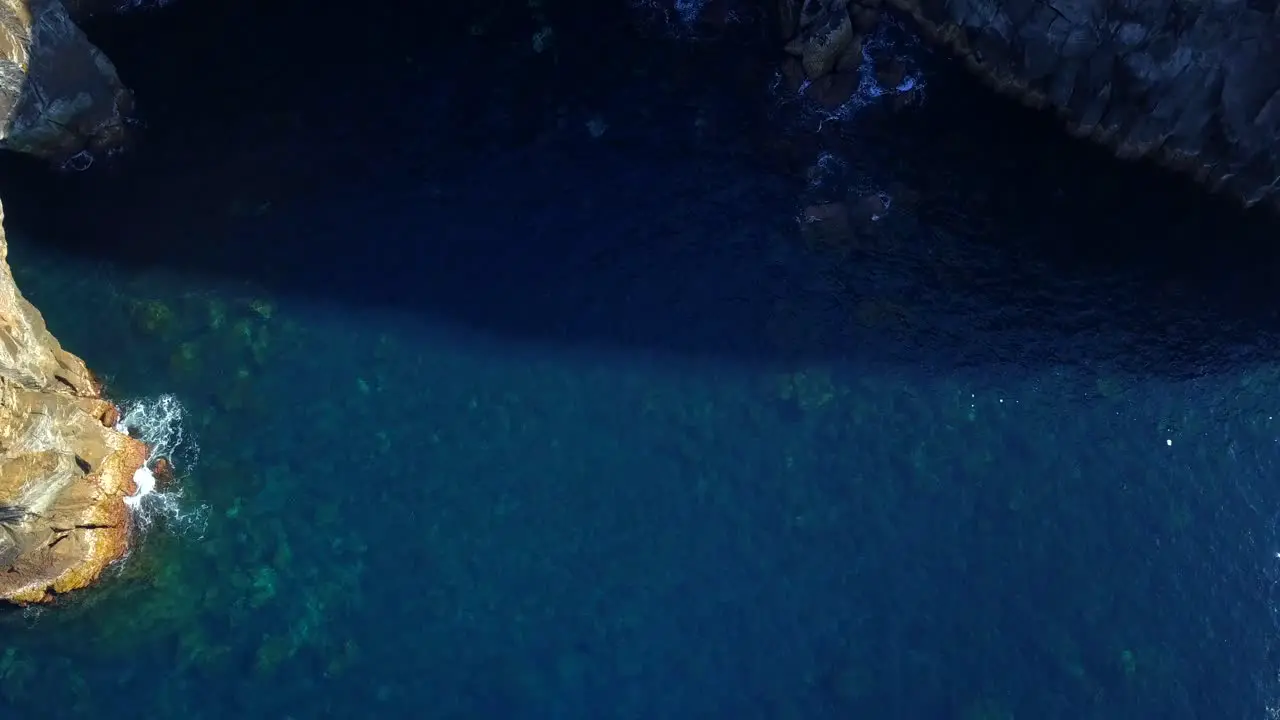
(162, 423)
(890, 39)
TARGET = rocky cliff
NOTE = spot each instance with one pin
(64, 469)
(58, 93)
(1194, 84)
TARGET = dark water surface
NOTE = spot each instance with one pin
(498, 419)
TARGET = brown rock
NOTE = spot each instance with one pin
(825, 41)
(110, 416)
(64, 474)
(851, 58)
(162, 469)
(58, 93)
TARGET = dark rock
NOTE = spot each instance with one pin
(1194, 84)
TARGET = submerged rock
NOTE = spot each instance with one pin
(59, 94)
(64, 470)
(1192, 84)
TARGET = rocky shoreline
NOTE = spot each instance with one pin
(1191, 85)
(65, 470)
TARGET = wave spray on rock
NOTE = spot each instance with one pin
(161, 423)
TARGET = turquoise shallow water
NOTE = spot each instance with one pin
(497, 420)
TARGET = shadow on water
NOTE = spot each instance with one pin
(903, 552)
(447, 170)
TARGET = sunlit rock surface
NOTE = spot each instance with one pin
(64, 470)
(58, 93)
(1194, 84)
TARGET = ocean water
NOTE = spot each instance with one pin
(506, 383)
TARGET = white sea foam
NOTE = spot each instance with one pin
(161, 423)
(145, 480)
(888, 39)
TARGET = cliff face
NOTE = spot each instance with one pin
(64, 470)
(1194, 84)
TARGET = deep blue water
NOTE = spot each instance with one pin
(497, 419)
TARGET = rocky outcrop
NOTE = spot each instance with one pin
(59, 94)
(64, 470)
(1194, 84)
(826, 44)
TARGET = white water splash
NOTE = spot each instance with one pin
(161, 423)
(888, 39)
(145, 481)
